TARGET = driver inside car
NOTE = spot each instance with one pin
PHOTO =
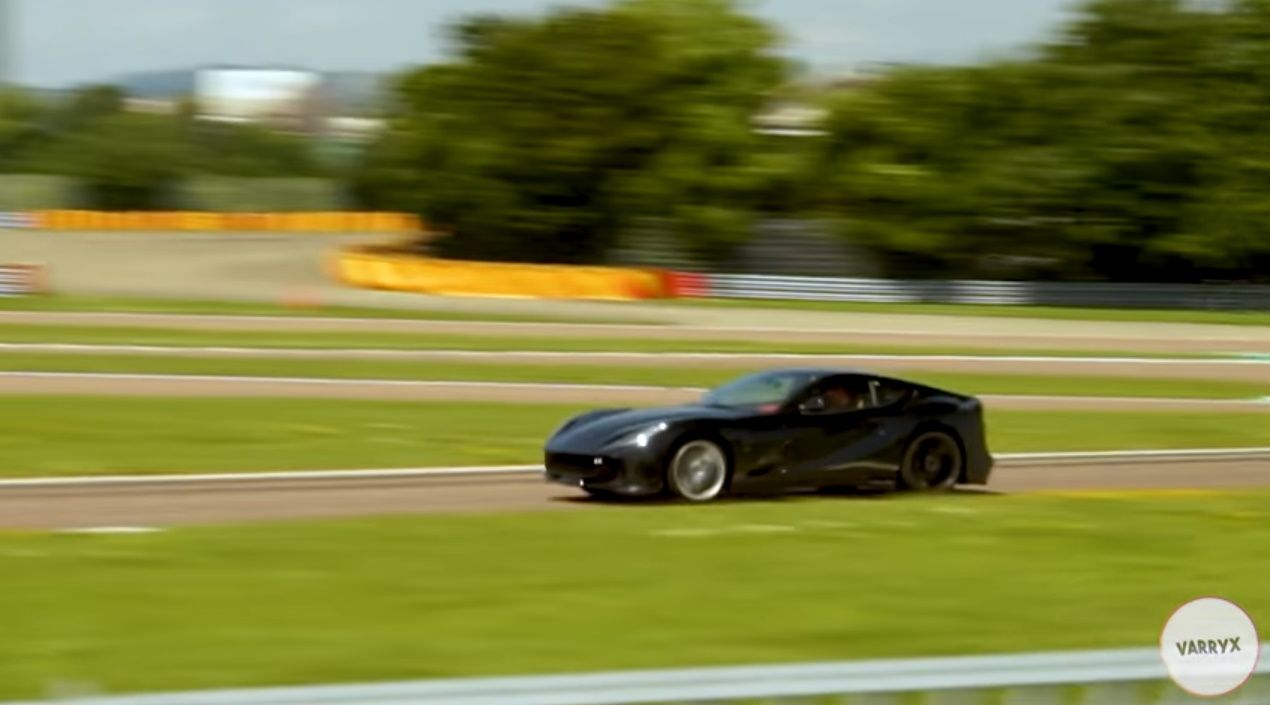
(838, 399)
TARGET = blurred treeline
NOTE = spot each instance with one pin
(124, 160)
(1133, 144)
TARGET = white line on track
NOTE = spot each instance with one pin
(111, 530)
(1096, 455)
(318, 320)
(532, 354)
(633, 327)
(1171, 401)
(284, 476)
(420, 473)
(338, 382)
(546, 386)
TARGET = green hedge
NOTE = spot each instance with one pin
(23, 192)
(223, 194)
(206, 193)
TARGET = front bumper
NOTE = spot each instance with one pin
(628, 475)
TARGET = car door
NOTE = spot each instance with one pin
(882, 450)
(832, 441)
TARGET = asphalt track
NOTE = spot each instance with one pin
(276, 267)
(185, 386)
(273, 268)
(779, 326)
(159, 503)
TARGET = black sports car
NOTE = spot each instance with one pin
(778, 431)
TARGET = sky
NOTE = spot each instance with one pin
(66, 42)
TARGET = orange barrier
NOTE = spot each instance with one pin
(371, 269)
(335, 222)
(687, 285)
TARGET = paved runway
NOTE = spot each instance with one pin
(156, 385)
(1232, 369)
(138, 504)
(863, 329)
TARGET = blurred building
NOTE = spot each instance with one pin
(790, 119)
(283, 99)
(151, 106)
(800, 110)
(338, 107)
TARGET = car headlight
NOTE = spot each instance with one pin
(640, 438)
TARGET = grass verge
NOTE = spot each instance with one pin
(182, 337)
(47, 436)
(1235, 318)
(116, 304)
(626, 587)
(95, 304)
(686, 376)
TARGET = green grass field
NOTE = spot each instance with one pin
(616, 588)
(95, 304)
(46, 436)
(184, 337)
(1236, 318)
(688, 376)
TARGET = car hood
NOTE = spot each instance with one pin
(593, 431)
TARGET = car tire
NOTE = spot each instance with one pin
(698, 471)
(933, 462)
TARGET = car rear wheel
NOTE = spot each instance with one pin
(932, 462)
(698, 471)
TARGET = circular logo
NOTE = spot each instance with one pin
(1210, 647)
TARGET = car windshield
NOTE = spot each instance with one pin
(758, 390)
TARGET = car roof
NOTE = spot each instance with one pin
(815, 375)
(820, 373)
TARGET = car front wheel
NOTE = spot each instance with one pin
(698, 471)
(933, 461)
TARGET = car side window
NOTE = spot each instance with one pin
(884, 393)
(847, 394)
(843, 395)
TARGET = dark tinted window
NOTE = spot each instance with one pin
(759, 390)
(883, 392)
(845, 394)
(858, 393)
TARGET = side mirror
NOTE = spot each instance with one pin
(814, 405)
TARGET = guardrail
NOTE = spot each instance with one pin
(1107, 677)
(21, 279)
(1000, 293)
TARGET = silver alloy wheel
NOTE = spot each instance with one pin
(932, 462)
(698, 471)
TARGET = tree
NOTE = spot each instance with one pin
(19, 127)
(124, 162)
(130, 161)
(1127, 149)
(250, 151)
(95, 102)
(549, 138)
